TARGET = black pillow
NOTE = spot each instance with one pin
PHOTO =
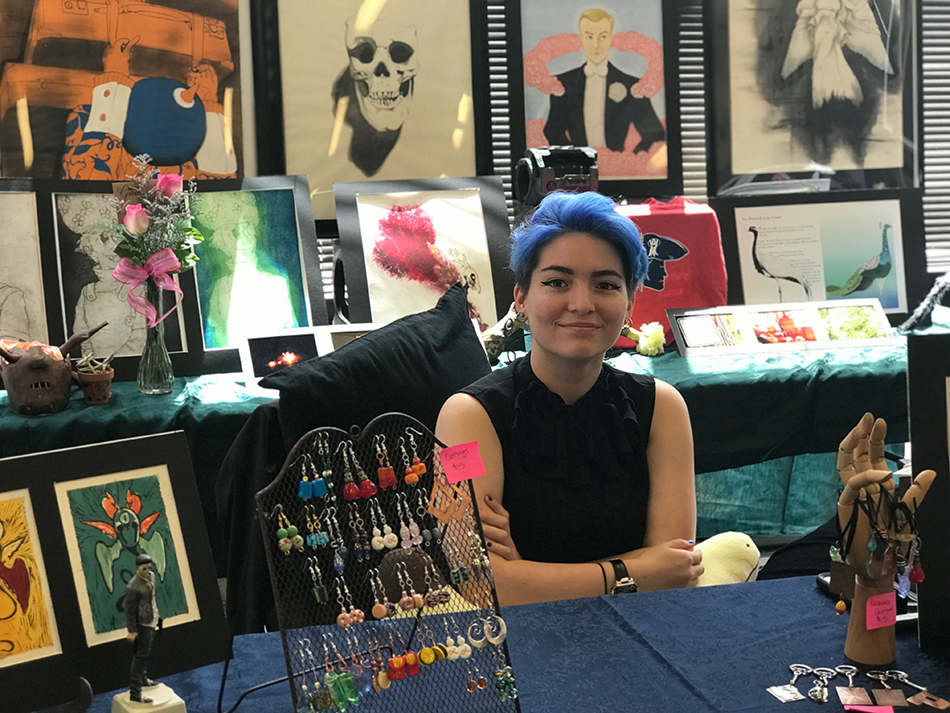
(411, 366)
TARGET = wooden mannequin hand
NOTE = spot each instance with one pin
(497, 529)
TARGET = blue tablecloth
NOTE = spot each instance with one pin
(711, 649)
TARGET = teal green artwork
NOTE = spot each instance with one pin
(114, 523)
(249, 274)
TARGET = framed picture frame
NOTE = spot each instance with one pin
(404, 243)
(269, 353)
(25, 301)
(640, 152)
(78, 496)
(783, 108)
(928, 391)
(328, 114)
(781, 327)
(842, 245)
(81, 266)
(83, 91)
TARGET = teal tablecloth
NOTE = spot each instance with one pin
(748, 410)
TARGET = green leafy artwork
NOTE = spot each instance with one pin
(114, 523)
(852, 323)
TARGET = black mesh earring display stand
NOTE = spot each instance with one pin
(377, 598)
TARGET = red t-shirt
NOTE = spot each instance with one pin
(687, 267)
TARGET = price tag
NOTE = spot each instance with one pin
(462, 462)
(882, 610)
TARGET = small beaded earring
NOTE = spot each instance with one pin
(385, 472)
(304, 486)
(347, 618)
(323, 448)
(319, 588)
(435, 595)
(360, 538)
(288, 536)
(336, 540)
(367, 487)
(451, 650)
(410, 476)
(351, 491)
(418, 467)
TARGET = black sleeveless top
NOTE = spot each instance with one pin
(576, 477)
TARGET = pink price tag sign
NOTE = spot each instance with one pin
(462, 462)
(882, 610)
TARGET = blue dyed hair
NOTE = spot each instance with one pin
(591, 213)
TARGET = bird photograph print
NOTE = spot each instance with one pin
(822, 251)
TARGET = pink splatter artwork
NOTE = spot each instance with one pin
(406, 250)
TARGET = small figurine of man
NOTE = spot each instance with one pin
(141, 615)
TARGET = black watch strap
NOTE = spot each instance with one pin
(623, 582)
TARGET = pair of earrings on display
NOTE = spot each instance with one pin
(382, 608)
(409, 533)
(410, 600)
(436, 593)
(385, 471)
(456, 648)
(316, 537)
(319, 588)
(491, 630)
(385, 538)
(364, 488)
(347, 617)
(311, 485)
(415, 467)
(288, 537)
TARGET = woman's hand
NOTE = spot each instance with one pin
(497, 530)
(670, 565)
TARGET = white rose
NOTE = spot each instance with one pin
(617, 92)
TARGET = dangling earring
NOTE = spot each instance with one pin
(360, 538)
(351, 491)
(410, 477)
(479, 628)
(336, 537)
(367, 487)
(317, 485)
(390, 539)
(415, 538)
(434, 596)
(287, 534)
(385, 472)
(323, 445)
(496, 639)
(304, 487)
(319, 588)
(418, 467)
(347, 618)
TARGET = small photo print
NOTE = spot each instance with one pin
(783, 327)
(271, 354)
(710, 330)
(857, 322)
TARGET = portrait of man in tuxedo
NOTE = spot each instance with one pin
(597, 108)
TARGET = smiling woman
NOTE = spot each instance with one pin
(589, 486)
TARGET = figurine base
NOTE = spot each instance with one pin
(163, 698)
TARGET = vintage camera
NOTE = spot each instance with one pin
(543, 170)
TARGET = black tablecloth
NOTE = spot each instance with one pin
(710, 649)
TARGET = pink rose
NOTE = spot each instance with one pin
(136, 219)
(169, 183)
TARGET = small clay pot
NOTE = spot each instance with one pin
(96, 388)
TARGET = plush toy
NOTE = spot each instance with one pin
(728, 557)
(37, 376)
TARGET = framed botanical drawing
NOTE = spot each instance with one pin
(800, 90)
(928, 398)
(28, 628)
(85, 87)
(95, 508)
(377, 91)
(842, 245)
(22, 293)
(600, 75)
(405, 243)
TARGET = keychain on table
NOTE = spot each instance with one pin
(385, 471)
(819, 692)
(788, 692)
(360, 538)
(366, 485)
(336, 540)
(319, 588)
(418, 467)
(886, 696)
(849, 695)
(435, 594)
(288, 536)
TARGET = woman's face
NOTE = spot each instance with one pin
(577, 299)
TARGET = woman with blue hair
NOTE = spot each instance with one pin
(589, 486)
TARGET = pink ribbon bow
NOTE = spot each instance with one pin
(157, 267)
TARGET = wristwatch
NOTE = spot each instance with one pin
(623, 582)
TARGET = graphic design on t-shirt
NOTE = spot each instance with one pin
(661, 250)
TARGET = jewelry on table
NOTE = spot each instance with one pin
(788, 692)
(385, 471)
(902, 678)
(850, 695)
(887, 696)
(819, 692)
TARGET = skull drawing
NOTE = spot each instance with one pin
(383, 66)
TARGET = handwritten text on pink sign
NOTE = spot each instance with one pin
(462, 462)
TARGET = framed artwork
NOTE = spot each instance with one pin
(269, 353)
(84, 89)
(780, 327)
(928, 398)
(376, 91)
(22, 294)
(95, 508)
(404, 243)
(833, 246)
(600, 75)
(28, 628)
(800, 92)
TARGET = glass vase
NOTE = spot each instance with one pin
(155, 374)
